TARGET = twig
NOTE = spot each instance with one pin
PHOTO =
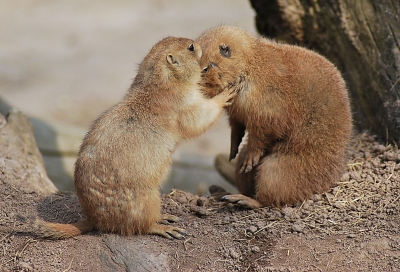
(173, 191)
(176, 256)
(391, 174)
(184, 243)
(245, 217)
(220, 260)
(394, 85)
(239, 240)
(317, 267)
(5, 236)
(69, 267)
(176, 204)
(327, 197)
(301, 206)
(262, 257)
(267, 226)
(18, 254)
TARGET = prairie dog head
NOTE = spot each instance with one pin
(172, 59)
(226, 53)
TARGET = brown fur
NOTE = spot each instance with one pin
(127, 152)
(295, 107)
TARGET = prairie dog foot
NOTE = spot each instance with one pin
(168, 232)
(251, 160)
(243, 201)
(217, 192)
(168, 218)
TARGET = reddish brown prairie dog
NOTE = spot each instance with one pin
(295, 107)
(127, 152)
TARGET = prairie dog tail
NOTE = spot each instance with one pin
(61, 231)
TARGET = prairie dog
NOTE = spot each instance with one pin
(127, 152)
(295, 107)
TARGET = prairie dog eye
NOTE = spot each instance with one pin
(225, 50)
(191, 47)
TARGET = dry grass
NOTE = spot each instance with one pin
(368, 192)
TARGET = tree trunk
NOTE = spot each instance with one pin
(361, 37)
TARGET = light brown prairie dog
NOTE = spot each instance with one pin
(295, 107)
(127, 152)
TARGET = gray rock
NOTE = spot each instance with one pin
(136, 257)
(19, 151)
(298, 227)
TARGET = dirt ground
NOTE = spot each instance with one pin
(353, 227)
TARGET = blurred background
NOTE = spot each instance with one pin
(64, 62)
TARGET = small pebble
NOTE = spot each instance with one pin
(298, 227)
(182, 199)
(260, 224)
(252, 229)
(255, 249)
(379, 148)
(367, 165)
(202, 201)
(339, 205)
(355, 175)
(345, 177)
(233, 254)
(26, 266)
(287, 211)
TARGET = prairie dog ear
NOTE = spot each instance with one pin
(172, 60)
(225, 50)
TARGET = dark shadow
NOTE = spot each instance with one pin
(63, 208)
(60, 207)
